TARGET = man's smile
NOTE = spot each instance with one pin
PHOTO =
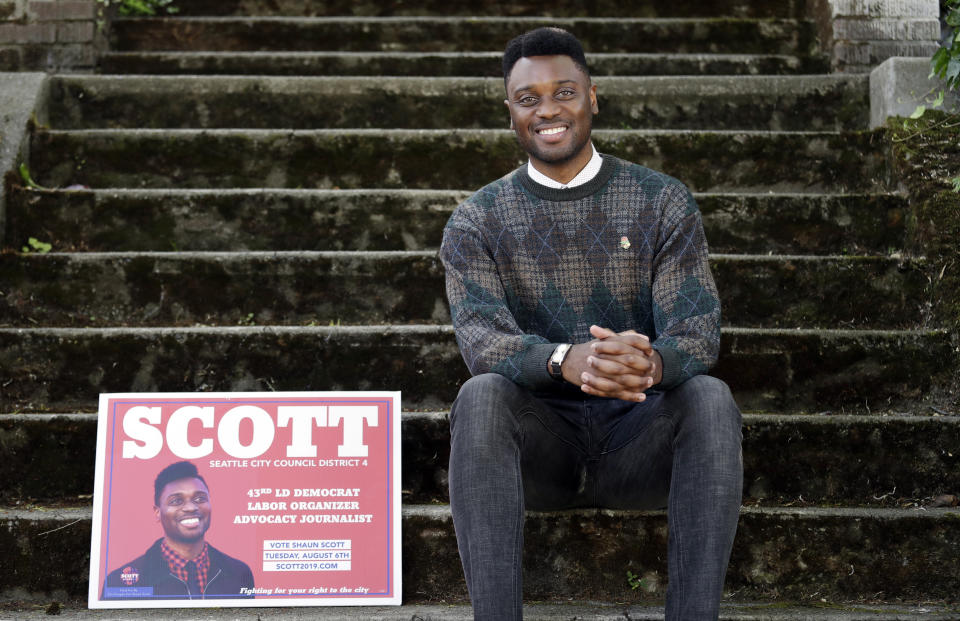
(550, 131)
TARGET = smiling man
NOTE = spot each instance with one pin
(584, 306)
(181, 564)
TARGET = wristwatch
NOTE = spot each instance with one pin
(556, 359)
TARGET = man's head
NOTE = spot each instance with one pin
(551, 100)
(181, 501)
(544, 42)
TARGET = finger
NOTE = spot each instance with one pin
(634, 364)
(619, 384)
(624, 395)
(601, 333)
(635, 341)
(629, 378)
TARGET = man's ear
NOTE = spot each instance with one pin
(156, 512)
(506, 102)
(593, 99)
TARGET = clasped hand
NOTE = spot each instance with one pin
(615, 365)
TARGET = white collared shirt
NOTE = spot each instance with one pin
(589, 172)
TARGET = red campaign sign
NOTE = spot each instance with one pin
(246, 499)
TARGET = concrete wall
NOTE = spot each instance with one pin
(899, 85)
(49, 35)
(21, 96)
(861, 34)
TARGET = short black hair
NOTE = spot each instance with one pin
(175, 472)
(545, 41)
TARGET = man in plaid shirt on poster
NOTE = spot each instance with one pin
(181, 564)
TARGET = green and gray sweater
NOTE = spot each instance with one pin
(528, 267)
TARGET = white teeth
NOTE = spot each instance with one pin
(190, 521)
(552, 130)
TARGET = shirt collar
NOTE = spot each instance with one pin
(589, 172)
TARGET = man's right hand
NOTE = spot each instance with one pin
(614, 365)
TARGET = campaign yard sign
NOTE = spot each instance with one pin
(246, 499)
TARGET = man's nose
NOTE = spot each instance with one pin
(548, 109)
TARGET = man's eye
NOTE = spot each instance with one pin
(566, 93)
(199, 499)
(176, 501)
(527, 101)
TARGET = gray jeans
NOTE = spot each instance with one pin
(512, 449)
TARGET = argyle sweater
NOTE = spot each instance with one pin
(529, 267)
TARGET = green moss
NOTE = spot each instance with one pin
(926, 155)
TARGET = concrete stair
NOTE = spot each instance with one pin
(312, 205)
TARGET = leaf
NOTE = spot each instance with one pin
(953, 69)
(38, 246)
(27, 179)
(956, 184)
(918, 112)
(939, 100)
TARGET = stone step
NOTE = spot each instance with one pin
(562, 8)
(231, 219)
(864, 460)
(792, 103)
(715, 161)
(798, 554)
(466, 34)
(443, 63)
(355, 288)
(534, 611)
(64, 369)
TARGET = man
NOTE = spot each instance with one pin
(584, 307)
(181, 564)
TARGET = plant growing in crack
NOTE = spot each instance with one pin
(635, 581)
(142, 8)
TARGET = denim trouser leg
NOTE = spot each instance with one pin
(510, 448)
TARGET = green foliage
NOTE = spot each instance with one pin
(143, 8)
(945, 63)
(27, 179)
(35, 245)
(634, 580)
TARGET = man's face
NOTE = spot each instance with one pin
(551, 103)
(184, 510)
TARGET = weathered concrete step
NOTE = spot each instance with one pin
(782, 553)
(444, 63)
(838, 460)
(562, 8)
(793, 103)
(441, 159)
(534, 611)
(468, 34)
(230, 219)
(64, 369)
(369, 287)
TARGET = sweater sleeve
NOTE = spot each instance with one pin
(488, 334)
(686, 305)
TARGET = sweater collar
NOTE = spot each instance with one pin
(587, 173)
(599, 180)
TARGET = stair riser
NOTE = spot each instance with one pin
(712, 35)
(357, 288)
(788, 370)
(776, 555)
(485, 64)
(409, 220)
(495, 8)
(760, 103)
(412, 159)
(800, 459)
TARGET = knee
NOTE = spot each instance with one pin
(481, 398)
(708, 404)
